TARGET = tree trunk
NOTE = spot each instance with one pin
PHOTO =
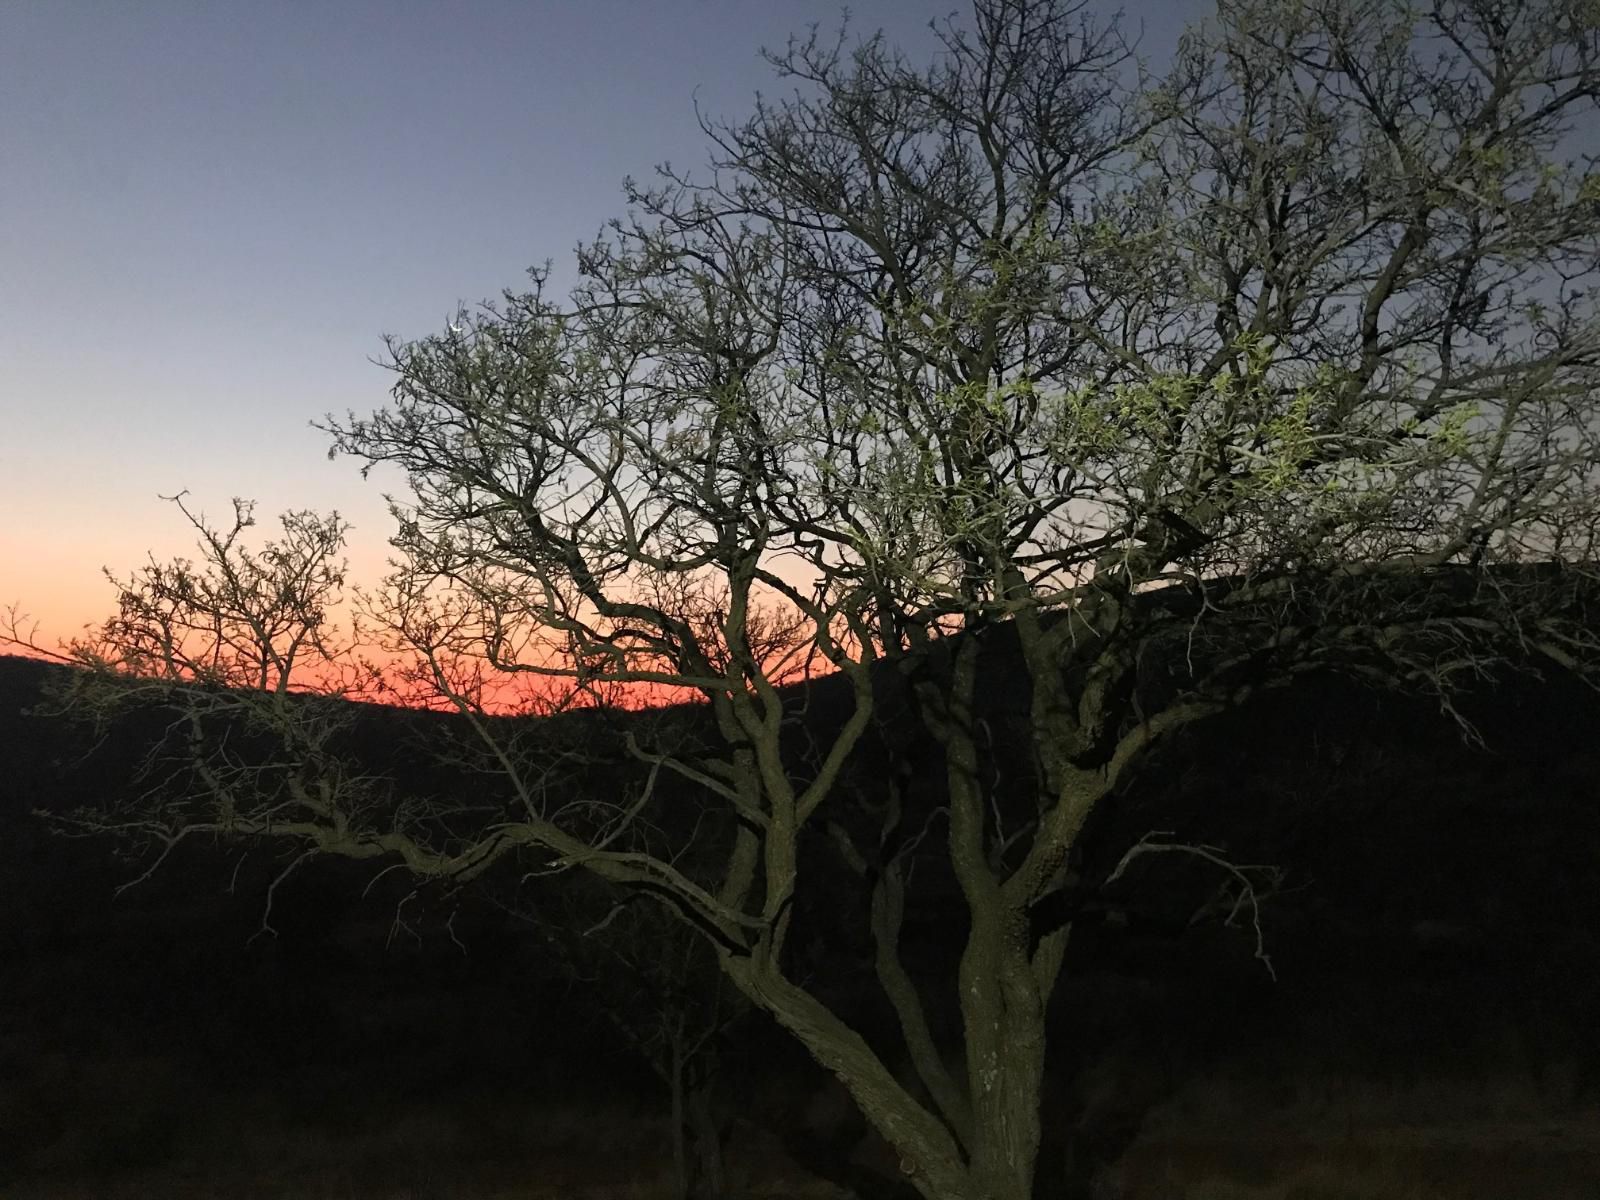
(1005, 1054)
(707, 1179)
(1005, 1034)
(930, 1156)
(680, 1157)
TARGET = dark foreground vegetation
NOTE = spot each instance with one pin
(1435, 935)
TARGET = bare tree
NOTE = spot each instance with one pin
(240, 649)
(657, 989)
(1185, 387)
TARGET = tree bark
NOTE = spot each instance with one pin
(930, 1157)
(1004, 1022)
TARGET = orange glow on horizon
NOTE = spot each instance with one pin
(376, 675)
(61, 593)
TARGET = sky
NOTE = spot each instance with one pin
(210, 213)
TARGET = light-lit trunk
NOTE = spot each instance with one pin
(930, 1157)
(1002, 998)
(1006, 1037)
(979, 1137)
(1003, 1019)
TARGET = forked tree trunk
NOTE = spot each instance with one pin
(1005, 1135)
(930, 1156)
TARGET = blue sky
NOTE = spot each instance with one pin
(211, 212)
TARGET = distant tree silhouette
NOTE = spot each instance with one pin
(657, 987)
(1283, 362)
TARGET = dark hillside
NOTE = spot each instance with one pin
(1436, 943)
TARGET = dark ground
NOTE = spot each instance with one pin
(1430, 1033)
